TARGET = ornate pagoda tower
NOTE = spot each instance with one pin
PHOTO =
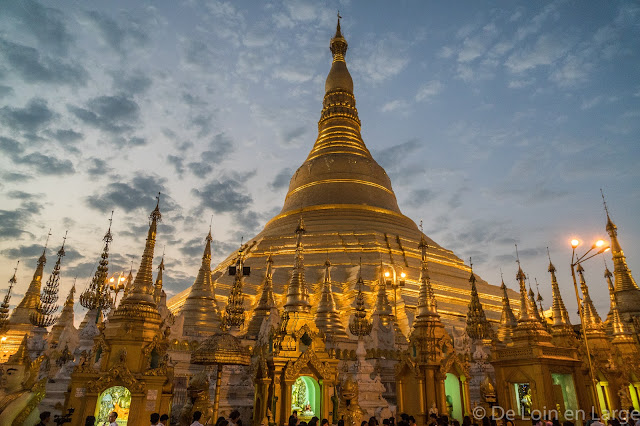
(129, 352)
(351, 213)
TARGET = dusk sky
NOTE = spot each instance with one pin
(497, 122)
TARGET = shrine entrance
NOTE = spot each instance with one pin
(454, 401)
(116, 398)
(305, 398)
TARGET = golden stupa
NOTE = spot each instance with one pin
(351, 214)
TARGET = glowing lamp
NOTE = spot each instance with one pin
(403, 275)
(387, 274)
(575, 243)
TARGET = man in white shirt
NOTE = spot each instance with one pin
(112, 419)
(196, 419)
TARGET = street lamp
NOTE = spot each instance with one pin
(601, 247)
(116, 285)
(392, 281)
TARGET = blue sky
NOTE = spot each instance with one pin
(498, 123)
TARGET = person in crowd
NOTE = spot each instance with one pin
(164, 420)
(154, 419)
(324, 422)
(412, 421)
(196, 419)
(293, 420)
(364, 423)
(341, 422)
(90, 421)
(234, 418)
(111, 420)
(45, 416)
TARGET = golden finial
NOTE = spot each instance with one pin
(604, 202)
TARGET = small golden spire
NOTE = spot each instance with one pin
(200, 310)
(478, 326)
(508, 321)
(4, 307)
(65, 319)
(234, 312)
(327, 315)
(43, 316)
(624, 281)
(559, 314)
(427, 305)
(266, 304)
(618, 326)
(96, 295)
(157, 289)
(138, 301)
(589, 313)
(525, 307)
(359, 325)
(297, 294)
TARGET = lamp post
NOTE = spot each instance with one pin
(116, 285)
(392, 281)
(577, 260)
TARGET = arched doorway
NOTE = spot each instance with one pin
(453, 394)
(305, 398)
(116, 398)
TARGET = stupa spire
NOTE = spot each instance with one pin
(31, 299)
(4, 307)
(383, 308)
(625, 284)
(534, 307)
(157, 288)
(589, 313)
(297, 293)
(200, 310)
(526, 314)
(66, 317)
(96, 295)
(427, 305)
(234, 312)
(139, 301)
(478, 326)
(327, 315)
(266, 303)
(359, 325)
(559, 314)
(43, 316)
(508, 321)
(618, 326)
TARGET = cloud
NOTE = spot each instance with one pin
(16, 177)
(392, 156)
(98, 167)
(135, 83)
(139, 193)
(20, 195)
(546, 51)
(224, 195)
(199, 53)
(381, 60)
(25, 252)
(46, 165)
(10, 146)
(112, 114)
(420, 197)
(44, 23)
(120, 35)
(428, 90)
(5, 91)
(13, 223)
(128, 142)
(217, 151)
(395, 105)
(32, 67)
(281, 180)
(30, 118)
(177, 162)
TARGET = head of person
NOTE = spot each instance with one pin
(45, 416)
(341, 422)
(412, 420)
(405, 417)
(220, 419)
(385, 422)
(164, 419)
(364, 423)
(234, 416)
(324, 422)
(112, 416)
(295, 413)
(292, 420)
(90, 421)
(155, 418)
(197, 415)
